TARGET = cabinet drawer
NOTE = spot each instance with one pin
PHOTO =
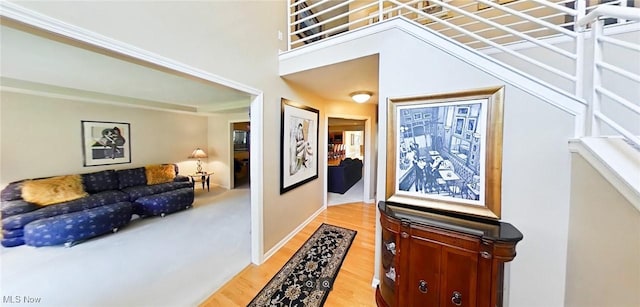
(445, 237)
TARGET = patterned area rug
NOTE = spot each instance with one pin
(307, 278)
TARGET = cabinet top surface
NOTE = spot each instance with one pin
(492, 230)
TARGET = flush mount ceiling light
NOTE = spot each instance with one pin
(361, 96)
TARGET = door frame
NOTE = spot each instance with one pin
(232, 151)
(368, 159)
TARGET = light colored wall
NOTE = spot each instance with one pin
(41, 136)
(603, 262)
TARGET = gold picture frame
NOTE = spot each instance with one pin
(444, 151)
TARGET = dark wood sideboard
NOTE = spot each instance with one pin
(432, 258)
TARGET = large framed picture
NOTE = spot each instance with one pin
(450, 159)
(105, 143)
(299, 145)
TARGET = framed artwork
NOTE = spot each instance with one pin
(105, 143)
(459, 125)
(298, 145)
(471, 124)
(449, 174)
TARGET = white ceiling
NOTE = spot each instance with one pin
(33, 60)
(335, 82)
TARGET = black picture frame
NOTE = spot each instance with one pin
(299, 141)
(105, 143)
(310, 24)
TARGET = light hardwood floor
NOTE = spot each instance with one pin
(352, 287)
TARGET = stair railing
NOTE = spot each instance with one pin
(498, 28)
(626, 125)
(477, 24)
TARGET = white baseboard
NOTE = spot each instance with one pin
(286, 239)
(375, 282)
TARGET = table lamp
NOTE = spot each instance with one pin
(198, 154)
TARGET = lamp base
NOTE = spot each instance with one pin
(199, 168)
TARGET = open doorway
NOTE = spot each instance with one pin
(345, 160)
(241, 144)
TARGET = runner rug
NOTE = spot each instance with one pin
(307, 278)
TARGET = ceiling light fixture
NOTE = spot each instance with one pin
(361, 97)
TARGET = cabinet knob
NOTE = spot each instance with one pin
(422, 286)
(456, 299)
(404, 235)
(485, 255)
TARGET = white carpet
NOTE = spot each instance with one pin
(178, 260)
(354, 194)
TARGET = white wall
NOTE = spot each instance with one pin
(603, 263)
(536, 166)
(41, 136)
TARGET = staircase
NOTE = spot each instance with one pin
(564, 46)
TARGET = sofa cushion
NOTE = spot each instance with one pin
(11, 242)
(14, 233)
(77, 226)
(131, 177)
(164, 203)
(53, 190)
(91, 201)
(14, 207)
(146, 190)
(160, 173)
(13, 191)
(100, 181)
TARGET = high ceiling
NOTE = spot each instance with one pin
(38, 62)
(35, 61)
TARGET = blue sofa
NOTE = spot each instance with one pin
(113, 197)
(342, 177)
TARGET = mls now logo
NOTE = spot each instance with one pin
(322, 284)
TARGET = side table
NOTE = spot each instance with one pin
(200, 177)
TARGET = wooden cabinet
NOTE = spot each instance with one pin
(431, 258)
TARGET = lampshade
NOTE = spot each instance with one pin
(361, 97)
(198, 153)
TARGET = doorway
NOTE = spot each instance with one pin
(240, 158)
(345, 160)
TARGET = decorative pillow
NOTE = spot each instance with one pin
(160, 173)
(131, 177)
(53, 190)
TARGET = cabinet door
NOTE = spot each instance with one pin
(460, 277)
(422, 281)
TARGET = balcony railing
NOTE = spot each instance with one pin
(498, 28)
